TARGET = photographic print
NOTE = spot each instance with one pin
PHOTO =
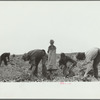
(50, 42)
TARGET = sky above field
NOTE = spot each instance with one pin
(24, 26)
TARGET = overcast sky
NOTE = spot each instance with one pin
(24, 26)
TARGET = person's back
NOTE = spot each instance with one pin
(4, 57)
(34, 57)
(37, 53)
(91, 54)
(32, 54)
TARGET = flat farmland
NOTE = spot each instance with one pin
(18, 71)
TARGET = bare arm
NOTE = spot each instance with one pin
(71, 60)
(74, 63)
(85, 63)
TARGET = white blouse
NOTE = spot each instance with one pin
(91, 54)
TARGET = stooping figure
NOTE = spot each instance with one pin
(91, 56)
(5, 58)
(51, 57)
(63, 61)
(34, 57)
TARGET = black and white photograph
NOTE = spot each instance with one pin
(49, 41)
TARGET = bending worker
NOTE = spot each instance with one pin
(34, 57)
(89, 56)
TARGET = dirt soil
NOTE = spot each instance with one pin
(18, 71)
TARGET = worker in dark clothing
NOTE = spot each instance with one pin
(4, 57)
(34, 57)
(63, 61)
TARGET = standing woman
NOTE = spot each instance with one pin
(51, 56)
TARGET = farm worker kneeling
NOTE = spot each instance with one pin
(91, 55)
(63, 61)
(34, 57)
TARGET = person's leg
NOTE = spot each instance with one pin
(32, 76)
(32, 68)
(95, 70)
(95, 65)
(65, 71)
(0, 61)
(30, 62)
(44, 69)
(89, 67)
(35, 70)
(36, 67)
(8, 59)
(5, 61)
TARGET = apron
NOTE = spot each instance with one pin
(52, 59)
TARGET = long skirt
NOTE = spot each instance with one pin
(52, 60)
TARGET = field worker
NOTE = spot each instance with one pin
(51, 56)
(5, 57)
(63, 61)
(91, 55)
(34, 57)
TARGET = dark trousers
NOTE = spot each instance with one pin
(95, 65)
(35, 64)
(5, 62)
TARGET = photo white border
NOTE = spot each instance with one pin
(49, 90)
